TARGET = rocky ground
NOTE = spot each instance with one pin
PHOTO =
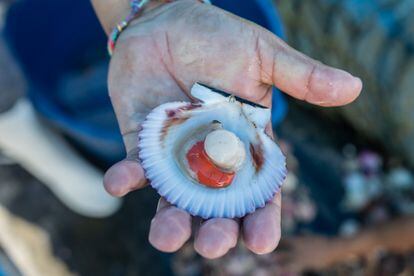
(113, 246)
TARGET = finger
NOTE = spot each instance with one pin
(123, 177)
(216, 237)
(261, 229)
(170, 228)
(128, 174)
(302, 77)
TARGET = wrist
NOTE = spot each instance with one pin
(137, 8)
(109, 12)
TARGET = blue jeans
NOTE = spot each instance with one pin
(62, 51)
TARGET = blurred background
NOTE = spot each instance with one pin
(348, 202)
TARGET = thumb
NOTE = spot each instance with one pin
(301, 76)
(126, 175)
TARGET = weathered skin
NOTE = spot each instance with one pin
(159, 58)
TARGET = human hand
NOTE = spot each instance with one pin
(161, 55)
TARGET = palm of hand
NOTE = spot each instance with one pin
(161, 55)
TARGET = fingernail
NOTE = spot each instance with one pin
(358, 83)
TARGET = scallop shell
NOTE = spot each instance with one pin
(171, 128)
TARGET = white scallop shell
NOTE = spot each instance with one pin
(162, 141)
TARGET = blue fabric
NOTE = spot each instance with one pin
(60, 43)
(61, 48)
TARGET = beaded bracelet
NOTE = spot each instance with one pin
(136, 8)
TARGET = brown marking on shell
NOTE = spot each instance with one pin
(171, 113)
(174, 112)
(169, 123)
(176, 117)
(190, 106)
(257, 156)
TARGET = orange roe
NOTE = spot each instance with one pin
(206, 171)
